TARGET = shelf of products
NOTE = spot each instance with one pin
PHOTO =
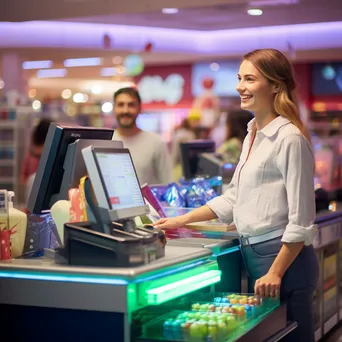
(8, 150)
(205, 317)
(16, 125)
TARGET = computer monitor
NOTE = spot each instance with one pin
(190, 153)
(214, 164)
(50, 173)
(115, 182)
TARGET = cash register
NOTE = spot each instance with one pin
(214, 164)
(111, 237)
(199, 159)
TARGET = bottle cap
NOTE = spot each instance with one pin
(10, 195)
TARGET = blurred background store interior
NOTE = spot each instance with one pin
(64, 60)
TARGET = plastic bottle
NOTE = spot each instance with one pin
(17, 225)
(60, 213)
(5, 234)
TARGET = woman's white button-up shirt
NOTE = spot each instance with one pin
(274, 187)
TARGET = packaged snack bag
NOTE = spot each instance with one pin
(76, 214)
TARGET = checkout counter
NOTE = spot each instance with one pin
(328, 247)
(189, 290)
(111, 280)
(42, 299)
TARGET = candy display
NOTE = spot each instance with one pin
(187, 194)
(205, 321)
(193, 326)
(173, 196)
(238, 300)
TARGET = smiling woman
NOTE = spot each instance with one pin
(271, 197)
(269, 74)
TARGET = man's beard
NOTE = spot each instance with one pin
(126, 125)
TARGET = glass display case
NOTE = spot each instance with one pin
(204, 316)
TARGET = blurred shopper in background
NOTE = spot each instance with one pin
(218, 133)
(32, 157)
(236, 131)
(150, 155)
(185, 132)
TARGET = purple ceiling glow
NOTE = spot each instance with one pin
(301, 37)
(90, 36)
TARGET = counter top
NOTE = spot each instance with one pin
(329, 230)
(175, 256)
(218, 247)
(327, 215)
(185, 251)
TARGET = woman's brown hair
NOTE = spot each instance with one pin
(276, 68)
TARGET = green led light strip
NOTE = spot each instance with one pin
(167, 292)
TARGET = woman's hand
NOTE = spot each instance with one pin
(170, 223)
(268, 285)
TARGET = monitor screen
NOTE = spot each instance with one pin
(327, 79)
(190, 153)
(50, 171)
(223, 73)
(120, 180)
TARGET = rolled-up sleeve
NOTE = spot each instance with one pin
(223, 205)
(295, 160)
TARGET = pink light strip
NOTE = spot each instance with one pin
(90, 36)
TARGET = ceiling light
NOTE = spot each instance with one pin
(32, 93)
(108, 72)
(254, 11)
(96, 89)
(80, 98)
(214, 67)
(50, 73)
(36, 105)
(81, 62)
(170, 10)
(107, 107)
(258, 3)
(66, 94)
(37, 65)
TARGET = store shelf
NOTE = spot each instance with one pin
(318, 334)
(7, 162)
(330, 323)
(5, 124)
(6, 180)
(24, 109)
(16, 124)
(330, 283)
(8, 143)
